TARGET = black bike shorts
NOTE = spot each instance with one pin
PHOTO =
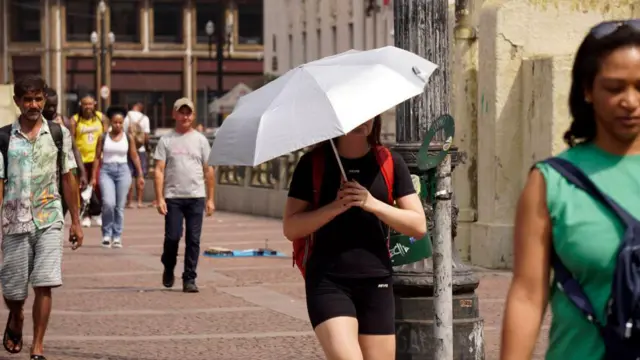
(369, 300)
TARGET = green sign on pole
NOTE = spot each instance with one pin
(405, 249)
(428, 161)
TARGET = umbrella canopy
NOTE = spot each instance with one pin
(317, 101)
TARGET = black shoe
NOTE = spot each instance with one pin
(167, 279)
(190, 287)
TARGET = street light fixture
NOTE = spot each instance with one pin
(102, 7)
(209, 28)
(94, 38)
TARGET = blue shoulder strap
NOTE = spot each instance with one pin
(563, 277)
(575, 176)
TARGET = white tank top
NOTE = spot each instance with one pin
(115, 152)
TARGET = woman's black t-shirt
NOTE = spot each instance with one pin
(354, 244)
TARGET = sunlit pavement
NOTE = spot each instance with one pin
(113, 305)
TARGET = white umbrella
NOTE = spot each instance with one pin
(318, 101)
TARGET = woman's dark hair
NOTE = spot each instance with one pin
(585, 68)
(114, 110)
(376, 130)
(373, 139)
(29, 83)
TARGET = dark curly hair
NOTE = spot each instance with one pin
(29, 83)
(114, 110)
(585, 68)
(50, 93)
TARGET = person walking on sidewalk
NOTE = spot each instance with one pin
(137, 124)
(181, 171)
(86, 127)
(50, 112)
(557, 220)
(348, 275)
(114, 151)
(32, 221)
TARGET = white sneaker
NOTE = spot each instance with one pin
(106, 242)
(117, 243)
(86, 222)
(97, 220)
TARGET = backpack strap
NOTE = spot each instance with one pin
(385, 160)
(130, 140)
(563, 278)
(56, 134)
(317, 173)
(578, 178)
(5, 137)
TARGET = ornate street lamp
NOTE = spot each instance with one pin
(223, 32)
(102, 45)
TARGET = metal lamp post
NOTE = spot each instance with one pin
(436, 319)
(209, 29)
(223, 32)
(102, 46)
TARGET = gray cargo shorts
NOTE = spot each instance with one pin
(34, 257)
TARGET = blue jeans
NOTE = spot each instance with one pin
(115, 180)
(191, 210)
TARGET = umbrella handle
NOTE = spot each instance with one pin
(335, 152)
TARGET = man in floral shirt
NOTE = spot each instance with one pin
(32, 220)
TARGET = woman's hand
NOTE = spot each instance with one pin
(359, 196)
(93, 182)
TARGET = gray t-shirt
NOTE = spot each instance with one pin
(185, 156)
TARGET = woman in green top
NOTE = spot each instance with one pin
(604, 142)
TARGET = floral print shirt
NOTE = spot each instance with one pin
(31, 197)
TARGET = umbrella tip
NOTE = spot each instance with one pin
(419, 73)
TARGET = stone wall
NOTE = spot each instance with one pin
(524, 63)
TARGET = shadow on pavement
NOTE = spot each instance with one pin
(131, 289)
(76, 354)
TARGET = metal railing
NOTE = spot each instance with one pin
(275, 174)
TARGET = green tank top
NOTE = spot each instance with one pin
(586, 236)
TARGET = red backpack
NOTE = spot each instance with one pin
(303, 247)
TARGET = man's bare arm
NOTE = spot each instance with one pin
(158, 179)
(71, 196)
(82, 172)
(210, 179)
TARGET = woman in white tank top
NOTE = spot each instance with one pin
(111, 170)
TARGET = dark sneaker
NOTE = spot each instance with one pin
(190, 287)
(167, 279)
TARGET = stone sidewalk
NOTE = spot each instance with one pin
(113, 306)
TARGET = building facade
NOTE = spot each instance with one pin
(159, 50)
(299, 31)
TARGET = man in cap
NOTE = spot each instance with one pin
(181, 171)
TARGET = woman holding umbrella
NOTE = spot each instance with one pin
(348, 275)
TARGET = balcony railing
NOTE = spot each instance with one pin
(275, 174)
